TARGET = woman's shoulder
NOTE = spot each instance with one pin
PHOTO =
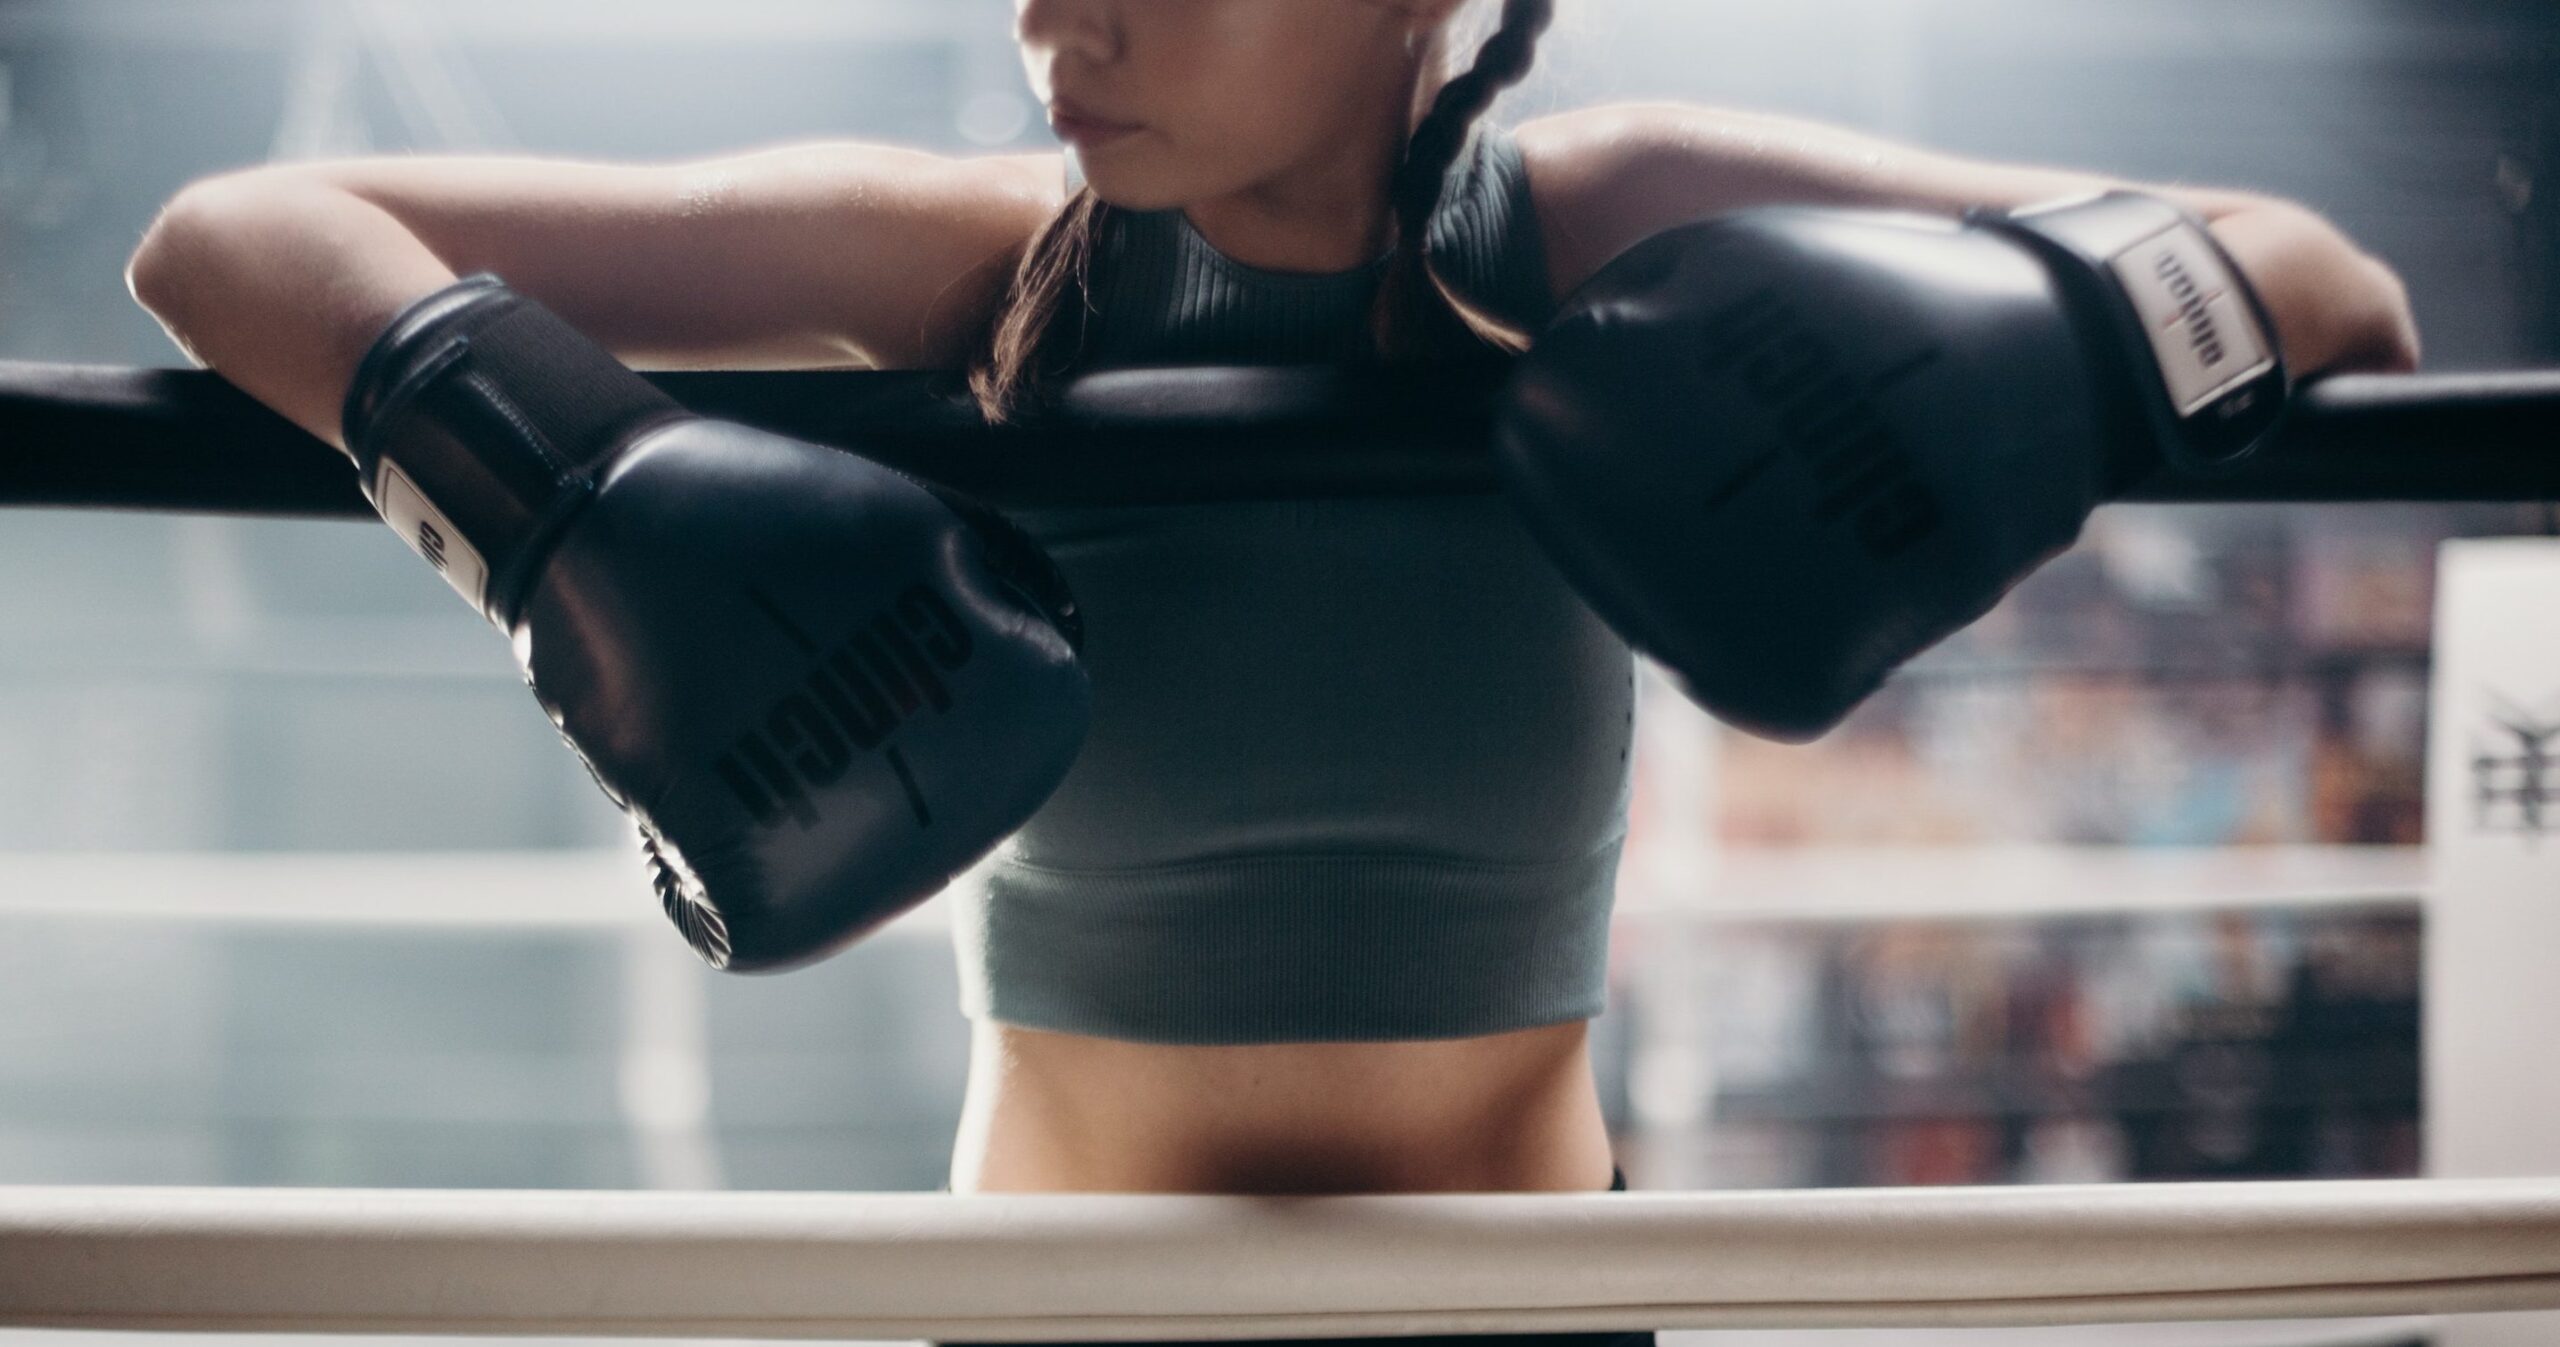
(1580, 165)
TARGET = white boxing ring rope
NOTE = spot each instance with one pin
(1054, 1267)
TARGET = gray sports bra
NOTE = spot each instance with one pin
(1358, 769)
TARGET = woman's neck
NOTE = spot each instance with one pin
(1321, 217)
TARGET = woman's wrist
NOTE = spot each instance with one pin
(2336, 307)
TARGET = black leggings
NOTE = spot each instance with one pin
(1617, 1184)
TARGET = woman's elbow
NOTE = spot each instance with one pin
(175, 244)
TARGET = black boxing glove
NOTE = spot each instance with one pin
(1786, 450)
(819, 688)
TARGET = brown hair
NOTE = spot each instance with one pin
(1416, 316)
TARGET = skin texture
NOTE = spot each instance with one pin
(1274, 124)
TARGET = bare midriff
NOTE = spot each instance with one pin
(1053, 1112)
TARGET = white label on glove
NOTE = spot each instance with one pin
(2202, 332)
(417, 520)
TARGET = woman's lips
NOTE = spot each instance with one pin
(1074, 124)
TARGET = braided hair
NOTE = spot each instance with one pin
(1416, 317)
(1035, 338)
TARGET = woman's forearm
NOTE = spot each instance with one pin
(280, 283)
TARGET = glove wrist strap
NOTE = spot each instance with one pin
(2214, 385)
(477, 422)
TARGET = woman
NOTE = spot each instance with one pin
(1323, 905)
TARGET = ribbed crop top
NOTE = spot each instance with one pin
(1357, 769)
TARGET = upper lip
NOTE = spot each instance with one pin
(1069, 110)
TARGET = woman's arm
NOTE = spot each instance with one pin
(804, 255)
(1606, 177)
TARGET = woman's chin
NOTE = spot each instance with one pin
(1126, 183)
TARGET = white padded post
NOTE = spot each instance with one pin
(1109, 1267)
(2493, 913)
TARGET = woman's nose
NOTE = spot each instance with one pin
(1084, 29)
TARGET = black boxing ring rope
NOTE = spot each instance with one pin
(113, 437)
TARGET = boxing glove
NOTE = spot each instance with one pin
(1786, 450)
(819, 688)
